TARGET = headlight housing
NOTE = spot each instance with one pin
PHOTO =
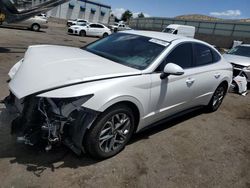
(62, 106)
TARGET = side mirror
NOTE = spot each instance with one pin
(171, 69)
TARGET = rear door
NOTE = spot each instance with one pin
(100, 30)
(206, 73)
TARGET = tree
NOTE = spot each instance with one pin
(141, 15)
(126, 15)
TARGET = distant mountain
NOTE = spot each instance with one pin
(207, 18)
(197, 17)
(245, 20)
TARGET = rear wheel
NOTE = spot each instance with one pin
(217, 98)
(35, 27)
(105, 35)
(82, 33)
(111, 132)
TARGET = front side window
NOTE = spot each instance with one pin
(128, 49)
(203, 54)
(99, 26)
(182, 55)
(168, 30)
(240, 50)
(93, 26)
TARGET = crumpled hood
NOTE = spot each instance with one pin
(239, 60)
(46, 67)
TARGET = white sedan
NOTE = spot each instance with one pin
(239, 57)
(93, 99)
(94, 29)
(35, 23)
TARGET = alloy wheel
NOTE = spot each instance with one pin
(218, 97)
(114, 132)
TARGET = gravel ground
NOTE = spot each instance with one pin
(197, 150)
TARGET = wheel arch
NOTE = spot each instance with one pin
(225, 82)
(83, 31)
(133, 107)
(35, 23)
(129, 101)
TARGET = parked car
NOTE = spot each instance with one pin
(184, 30)
(239, 57)
(93, 29)
(95, 98)
(76, 22)
(35, 23)
(119, 27)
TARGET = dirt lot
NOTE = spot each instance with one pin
(198, 150)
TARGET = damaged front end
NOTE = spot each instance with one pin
(51, 120)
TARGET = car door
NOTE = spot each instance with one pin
(100, 30)
(174, 93)
(207, 73)
(25, 23)
(92, 30)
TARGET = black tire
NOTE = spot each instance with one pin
(92, 141)
(82, 33)
(105, 35)
(235, 87)
(35, 27)
(217, 98)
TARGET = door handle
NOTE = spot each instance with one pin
(190, 81)
(217, 75)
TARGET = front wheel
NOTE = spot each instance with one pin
(82, 33)
(217, 98)
(110, 133)
(105, 35)
(35, 27)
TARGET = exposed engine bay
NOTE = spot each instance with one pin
(50, 121)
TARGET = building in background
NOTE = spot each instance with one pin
(90, 10)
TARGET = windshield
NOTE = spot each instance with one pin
(116, 24)
(240, 50)
(128, 49)
(168, 30)
(81, 24)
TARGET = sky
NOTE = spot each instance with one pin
(230, 9)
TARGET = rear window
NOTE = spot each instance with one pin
(203, 55)
(216, 56)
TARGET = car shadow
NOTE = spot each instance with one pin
(21, 28)
(37, 160)
(12, 49)
(165, 124)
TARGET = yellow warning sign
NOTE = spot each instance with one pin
(2, 17)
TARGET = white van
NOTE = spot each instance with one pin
(184, 30)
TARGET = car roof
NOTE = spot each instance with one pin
(157, 35)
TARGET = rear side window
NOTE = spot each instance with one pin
(182, 55)
(216, 56)
(203, 55)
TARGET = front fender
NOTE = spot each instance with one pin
(135, 89)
